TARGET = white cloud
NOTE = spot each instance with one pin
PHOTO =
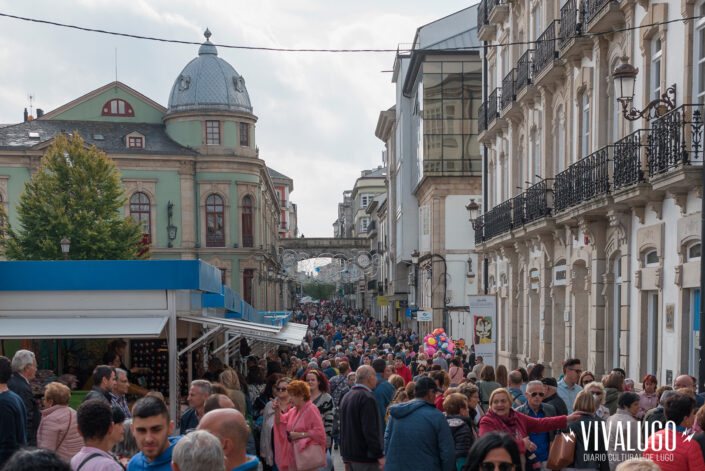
(317, 111)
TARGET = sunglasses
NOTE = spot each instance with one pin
(597, 393)
(577, 371)
(281, 389)
(503, 466)
(540, 394)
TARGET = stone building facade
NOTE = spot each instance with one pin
(592, 232)
(191, 171)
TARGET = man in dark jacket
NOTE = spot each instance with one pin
(417, 435)
(384, 391)
(360, 425)
(24, 367)
(551, 396)
(12, 415)
(534, 407)
(103, 383)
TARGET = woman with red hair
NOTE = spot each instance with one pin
(301, 427)
(648, 399)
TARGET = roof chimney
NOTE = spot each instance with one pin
(40, 113)
(26, 115)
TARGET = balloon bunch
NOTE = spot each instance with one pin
(438, 341)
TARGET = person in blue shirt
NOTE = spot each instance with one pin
(198, 451)
(568, 388)
(537, 409)
(231, 428)
(151, 428)
(514, 387)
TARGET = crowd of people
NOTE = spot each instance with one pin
(367, 389)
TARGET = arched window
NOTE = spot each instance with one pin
(247, 226)
(117, 107)
(140, 211)
(215, 221)
(651, 258)
(560, 123)
(693, 252)
(656, 55)
(585, 125)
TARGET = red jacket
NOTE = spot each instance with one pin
(525, 425)
(685, 457)
(405, 373)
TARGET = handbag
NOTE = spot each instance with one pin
(562, 452)
(311, 457)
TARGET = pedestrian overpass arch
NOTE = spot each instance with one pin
(351, 256)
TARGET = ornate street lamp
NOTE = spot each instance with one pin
(624, 77)
(474, 210)
(65, 247)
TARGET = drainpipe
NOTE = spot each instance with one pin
(485, 154)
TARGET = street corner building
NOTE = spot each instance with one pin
(592, 230)
(192, 171)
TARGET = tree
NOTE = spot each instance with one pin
(319, 291)
(77, 194)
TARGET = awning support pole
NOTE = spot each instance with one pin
(189, 359)
(203, 338)
(173, 358)
(226, 344)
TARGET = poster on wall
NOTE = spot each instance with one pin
(483, 313)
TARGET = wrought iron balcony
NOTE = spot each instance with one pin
(482, 117)
(676, 139)
(498, 220)
(536, 202)
(518, 211)
(493, 106)
(508, 95)
(523, 77)
(584, 180)
(482, 13)
(593, 7)
(546, 49)
(626, 168)
(479, 233)
(570, 22)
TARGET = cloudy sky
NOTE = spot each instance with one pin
(317, 111)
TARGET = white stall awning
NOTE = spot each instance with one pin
(81, 327)
(286, 335)
(292, 334)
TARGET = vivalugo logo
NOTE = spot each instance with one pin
(621, 436)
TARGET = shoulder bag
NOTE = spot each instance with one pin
(562, 453)
(311, 457)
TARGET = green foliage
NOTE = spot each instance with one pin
(77, 194)
(319, 291)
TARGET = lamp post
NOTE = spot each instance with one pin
(416, 260)
(624, 77)
(478, 226)
(65, 247)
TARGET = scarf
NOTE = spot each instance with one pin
(510, 424)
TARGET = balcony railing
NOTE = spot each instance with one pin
(482, 117)
(536, 202)
(524, 70)
(482, 13)
(452, 166)
(491, 4)
(479, 233)
(626, 168)
(492, 106)
(546, 49)
(593, 7)
(498, 220)
(676, 139)
(508, 95)
(518, 203)
(570, 23)
(582, 181)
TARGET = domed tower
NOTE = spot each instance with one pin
(209, 107)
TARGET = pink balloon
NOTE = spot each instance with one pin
(430, 350)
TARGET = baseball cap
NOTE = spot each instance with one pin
(550, 382)
(472, 375)
(425, 385)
